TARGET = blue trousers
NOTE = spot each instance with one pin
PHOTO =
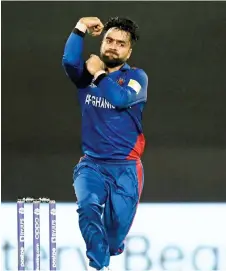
(107, 196)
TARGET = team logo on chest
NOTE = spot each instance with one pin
(120, 81)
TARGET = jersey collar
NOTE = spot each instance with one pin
(125, 67)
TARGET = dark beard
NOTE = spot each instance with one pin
(112, 62)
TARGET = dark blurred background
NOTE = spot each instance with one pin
(183, 51)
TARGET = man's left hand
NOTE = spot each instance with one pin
(94, 64)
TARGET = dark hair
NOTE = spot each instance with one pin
(124, 24)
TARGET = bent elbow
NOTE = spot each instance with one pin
(70, 61)
(64, 62)
(119, 102)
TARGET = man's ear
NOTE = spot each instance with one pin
(129, 53)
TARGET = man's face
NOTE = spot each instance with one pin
(115, 48)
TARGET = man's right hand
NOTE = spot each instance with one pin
(93, 24)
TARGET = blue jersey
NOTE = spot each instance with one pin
(111, 106)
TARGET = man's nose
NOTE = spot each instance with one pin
(113, 46)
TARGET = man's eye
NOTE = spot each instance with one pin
(108, 41)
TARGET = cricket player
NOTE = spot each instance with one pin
(108, 180)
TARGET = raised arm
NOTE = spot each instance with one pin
(135, 90)
(132, 92)
(72, 60)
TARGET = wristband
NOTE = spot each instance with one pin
(99, 73)
(82, 27)
(99, 78)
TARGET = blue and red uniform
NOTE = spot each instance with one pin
(111, 172)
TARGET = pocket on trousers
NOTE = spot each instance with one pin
(81, 166)
(127, 183)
